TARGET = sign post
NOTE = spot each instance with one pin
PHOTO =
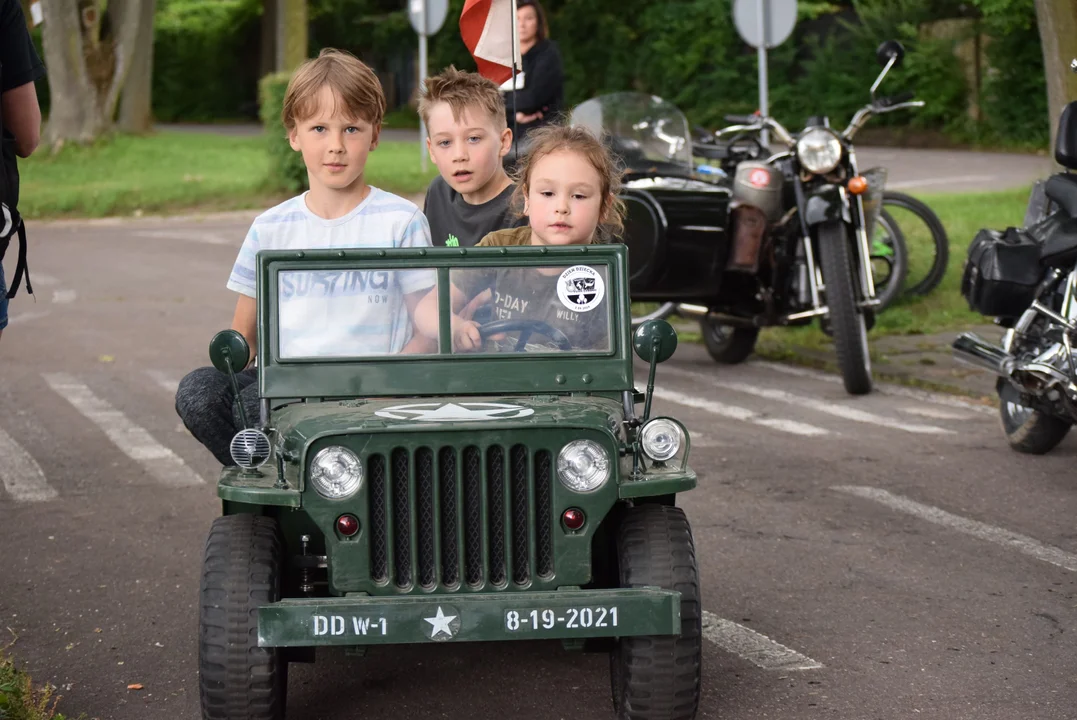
(427, 17)
(764, 24)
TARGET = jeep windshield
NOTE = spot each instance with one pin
(508, 308)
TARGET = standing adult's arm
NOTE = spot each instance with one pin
(543, 84)
(22, 117)
(19, 68)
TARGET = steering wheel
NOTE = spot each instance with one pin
(526, 328)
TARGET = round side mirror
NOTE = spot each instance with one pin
(655, 339)
(890, 49)
(228, 350)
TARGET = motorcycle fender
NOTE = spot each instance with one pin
(826, 204)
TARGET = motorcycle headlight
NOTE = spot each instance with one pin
(583, 465)
(336, 473)
(661, 439)
(819, 151)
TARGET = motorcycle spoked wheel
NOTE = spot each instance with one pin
(846, 320)
(1029, 431)
(727, 344)
(889, 260)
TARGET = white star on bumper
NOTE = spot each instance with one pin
(440, 624)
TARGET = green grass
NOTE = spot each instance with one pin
(173, 171)
(20, 700)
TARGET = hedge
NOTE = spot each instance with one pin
(286, 168)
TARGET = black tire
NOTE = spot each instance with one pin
(728, 345)
(1031, 431)
(241, 569)
(659, 677)
(846, 320)
(935, 273)
(897, 263)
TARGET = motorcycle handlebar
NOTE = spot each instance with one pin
(742, 119)
(898, 99)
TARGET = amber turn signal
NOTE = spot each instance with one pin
(857, 185)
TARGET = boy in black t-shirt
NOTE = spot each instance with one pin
(465, 116)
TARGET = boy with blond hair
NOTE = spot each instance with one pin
(468, 137)
(332, 111)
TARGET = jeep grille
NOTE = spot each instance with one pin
(427, 521)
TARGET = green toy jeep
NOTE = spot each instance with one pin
(510, 492)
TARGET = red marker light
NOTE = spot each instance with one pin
(347, 525)
(759, 178)
(573, 519)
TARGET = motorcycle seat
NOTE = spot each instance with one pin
(1062, 189)
(1059, 247)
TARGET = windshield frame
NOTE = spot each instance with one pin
(443, 372)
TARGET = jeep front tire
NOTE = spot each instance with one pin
(241, 569)
(658, 677)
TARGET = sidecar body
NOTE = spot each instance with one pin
(677, 224)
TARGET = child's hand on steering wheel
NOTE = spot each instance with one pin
(465, 331)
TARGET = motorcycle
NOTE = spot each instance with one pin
(1027, 279)
(783, 242)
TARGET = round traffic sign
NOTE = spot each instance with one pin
(436, 12)
(779, 19)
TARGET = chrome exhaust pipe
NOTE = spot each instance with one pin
(970, 348)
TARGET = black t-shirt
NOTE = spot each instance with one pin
(19, 64)
(456, 223)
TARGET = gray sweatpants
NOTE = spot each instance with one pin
(209, 408)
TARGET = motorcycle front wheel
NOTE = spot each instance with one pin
(846, 318)
(1030, 431)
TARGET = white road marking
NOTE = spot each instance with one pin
(21, 317)
(739, 413)
(192, 235)
(935, 413)
(822, 406)
(881, 388)
(999, 536)
(134, 441)
(45, 280)
(23, 478)
(939, 181)
(164, 380)
(62, 297)
(754, 647)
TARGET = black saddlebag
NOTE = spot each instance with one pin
(1002, 272)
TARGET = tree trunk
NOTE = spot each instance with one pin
(85, 71)
(268, 57)
(1057, 20)
(136, 101)
(291, 34)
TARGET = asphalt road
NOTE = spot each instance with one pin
(876, 557)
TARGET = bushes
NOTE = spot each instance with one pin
(286, 168)
(206, 60)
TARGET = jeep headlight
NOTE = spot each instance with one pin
(661, 439)
(819, 151)
(583, 465)
(336, 472)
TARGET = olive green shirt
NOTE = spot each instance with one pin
(524, 293)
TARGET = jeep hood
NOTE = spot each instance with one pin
(300, 423)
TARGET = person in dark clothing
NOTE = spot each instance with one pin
(539, 97)
(21, 122)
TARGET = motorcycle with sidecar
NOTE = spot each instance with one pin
(782, 242)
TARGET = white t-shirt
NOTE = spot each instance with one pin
(334, 313)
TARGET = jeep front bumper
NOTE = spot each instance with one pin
(365, 620)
